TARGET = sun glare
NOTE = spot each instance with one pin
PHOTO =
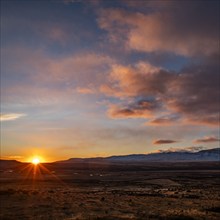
(36, 161)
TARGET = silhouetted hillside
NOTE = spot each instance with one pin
(9, 164)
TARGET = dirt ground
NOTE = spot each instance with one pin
(138, 192)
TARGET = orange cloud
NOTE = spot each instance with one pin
(160, 30)
(179, 93)
(85, 90)
(140, 79)
(115, 111)
(208, 139)
(165, 120)
(12, 157)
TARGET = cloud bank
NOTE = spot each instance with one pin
(191, 95)
(188, 29)
(160, 30)
(183, 149)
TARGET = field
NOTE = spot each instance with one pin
(111, 191)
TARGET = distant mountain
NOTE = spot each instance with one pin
(203, 155)
(9, 164)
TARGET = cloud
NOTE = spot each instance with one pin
(164, 142)
(159, 29)
(12, 157)
(45, 30)
(141, 79)
(85, 90)
(208, 139)
(193, 92)
(10, 116)
(189, 96)
(84, 69)
(182, 149)
(51, 80)
(197, 93)
(139, 109)
(164, 120)
(15, 157)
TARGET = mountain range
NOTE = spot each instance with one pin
(200, 156)
(203, 155)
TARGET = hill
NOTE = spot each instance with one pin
(9, 164)
(203, 155)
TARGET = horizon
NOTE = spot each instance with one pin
(104, 78)
(122, 155)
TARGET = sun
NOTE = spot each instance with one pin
(35, 161)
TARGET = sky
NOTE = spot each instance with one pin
(100, 78)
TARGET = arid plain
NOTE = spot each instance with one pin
(184, 190)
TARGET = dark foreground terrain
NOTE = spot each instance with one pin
(59, 191)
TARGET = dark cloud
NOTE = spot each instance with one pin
(138, 109)
(190, 95)
(195, 93)
(187, 27)
(165, 120)
(164, 142)
(209, 139)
